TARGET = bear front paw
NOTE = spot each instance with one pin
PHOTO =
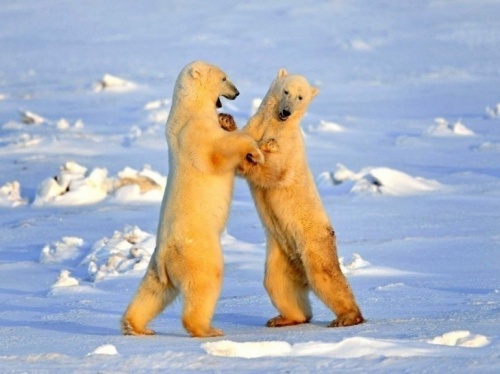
(226, 121)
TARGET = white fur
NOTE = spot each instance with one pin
(202, 159)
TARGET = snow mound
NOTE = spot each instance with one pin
(73, 186)
(387, 181)
(381, 180)
(356, 263)
(159, 116)
(106, 349)
(139, 186)
(461, 338)
(444, 128)
(30, 118)
(357, 266)
(255, 106)
(494, 112)
(360, 45)
(125, 252)
(65, 280)
(392, 287)
(25, 140)
(158, 110)
(489, 146)
(133, 135)
(355, 347)
(113, 83)
(66, 249)
(63, 124)
(10, 195)
(227, 348)
(340, 175)
(156, 104)
(325, 126)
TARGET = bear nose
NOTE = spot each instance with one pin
(236, 93)
(285, 113)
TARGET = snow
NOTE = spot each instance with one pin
(31, 118)
(106, 349)
(325, 126)
(493, 112)
(461, 338)
(444, 128)
(381, 180)
(124, 252)
(10, 194)
(113, 83)
(65, 280)
(405, 155)
(74, 186)
(67, 248)
(348, 348)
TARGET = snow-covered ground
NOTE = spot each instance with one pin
(403, 139)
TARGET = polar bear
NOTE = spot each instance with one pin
(301, 245)
(203, 156)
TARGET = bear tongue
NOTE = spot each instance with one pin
(218, 104)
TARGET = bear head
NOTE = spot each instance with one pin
(208, 81)
(293, 94)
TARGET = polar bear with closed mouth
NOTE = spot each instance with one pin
(301, 243)
(202, 160)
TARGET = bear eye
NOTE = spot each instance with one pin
(300, 97)
(286, 92)
(224, 79)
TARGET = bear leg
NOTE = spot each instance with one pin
(328, 282)
(150, 299)
(200, 293)
(287, 287)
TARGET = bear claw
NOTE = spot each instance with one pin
(280, 321)
(347, 320)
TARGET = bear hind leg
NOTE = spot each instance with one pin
(287, 287)
(150, 299)
(329, 283)
(200, 299)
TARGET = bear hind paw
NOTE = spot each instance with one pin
(280, 321)
(349, 319)
(209, 333)
(128, 329)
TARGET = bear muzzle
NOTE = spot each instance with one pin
(232, 96)
(284, 114)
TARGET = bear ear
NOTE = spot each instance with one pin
(314, 91)
(195, 72)
(282, 72)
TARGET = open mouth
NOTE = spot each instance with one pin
(283, 117)
(218, 103)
